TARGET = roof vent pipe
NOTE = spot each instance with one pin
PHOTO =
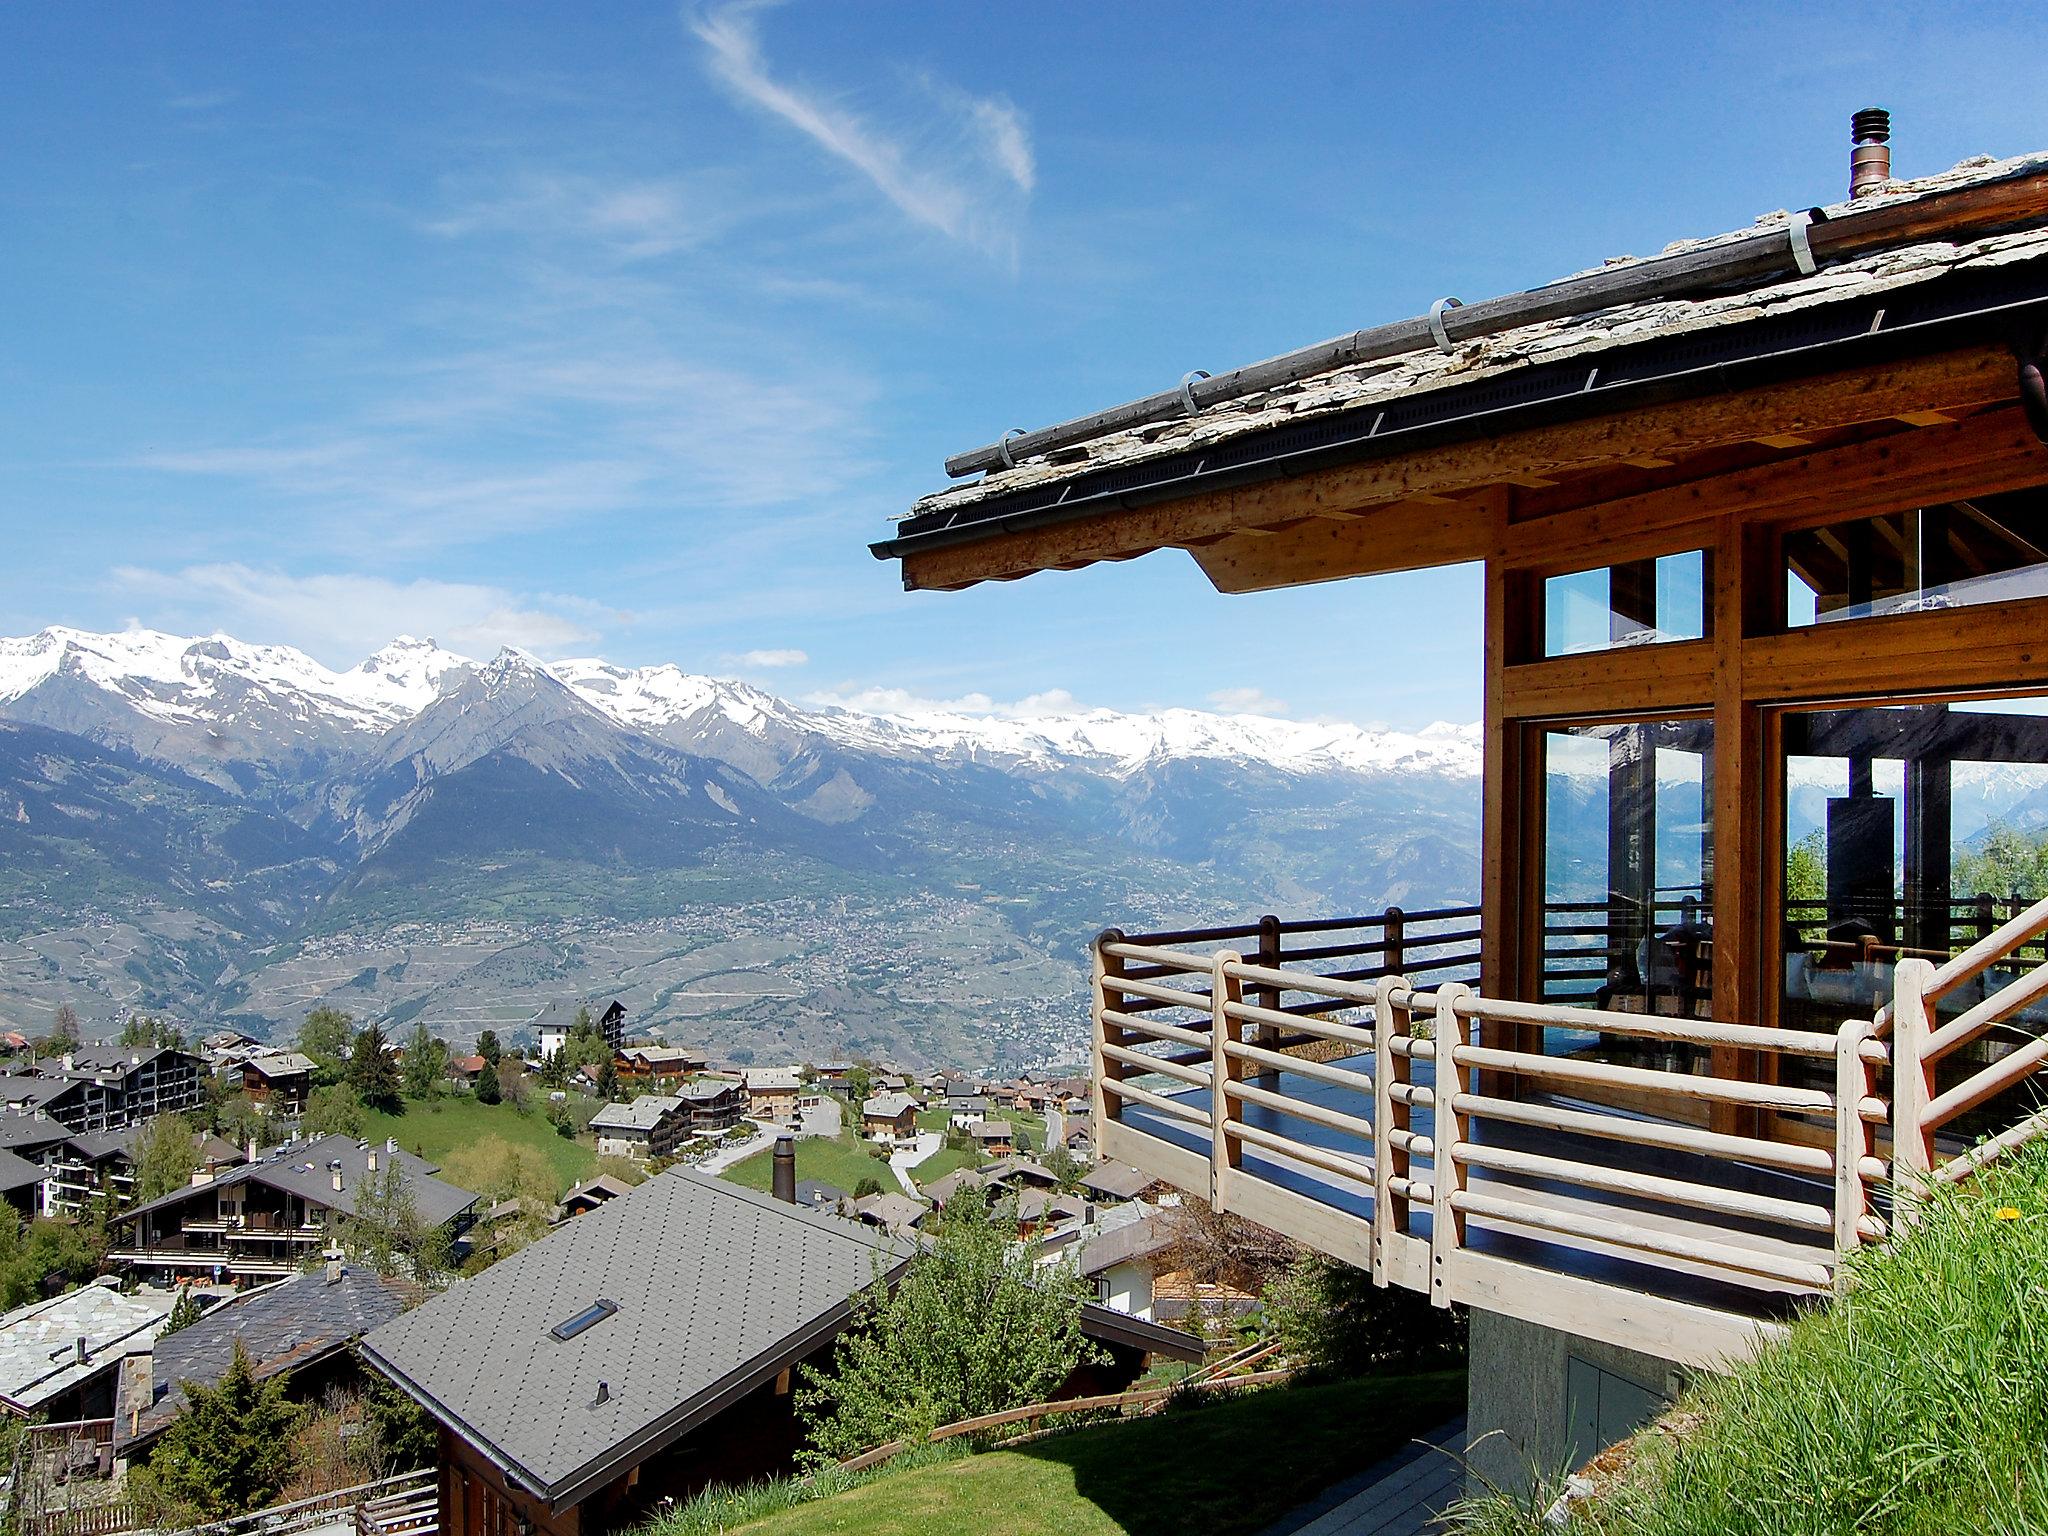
(1870, 152)
(783, 1183)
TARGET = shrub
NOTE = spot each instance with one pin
(1334, 1320)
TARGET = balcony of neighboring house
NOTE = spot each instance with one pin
(1619, 1164)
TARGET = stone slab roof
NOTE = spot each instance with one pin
(1397, 378)
(39, 1342)
(715, 1287)
(643, 1114)
(888, 1106)
(283, 1327)
(303, 1169)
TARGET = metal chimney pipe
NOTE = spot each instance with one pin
(783, 1183)
(1870, 153)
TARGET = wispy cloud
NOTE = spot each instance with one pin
(341, 617)
(1247, 701)
(901, 701)
(968, 176)
(772, 658)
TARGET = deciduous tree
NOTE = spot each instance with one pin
(333, 1111)
(425, 1060)
(165, 1157)
(325, 1037)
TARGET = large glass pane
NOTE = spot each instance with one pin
(1910, 830)
(1988, 550)
(1642, 602)
(1628, 874)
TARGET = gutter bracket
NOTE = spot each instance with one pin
(1802, 247)
(1436, 322)
(1187, 389)
(2033, 364)
(1004, 446)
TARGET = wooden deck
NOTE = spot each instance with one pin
(1566, 1189)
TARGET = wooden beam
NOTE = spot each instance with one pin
(1992, 452)
(1674, 429)
(1641, 679)
(1406, 536)
(1955, 650)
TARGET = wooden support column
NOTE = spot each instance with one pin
(1505, 837)
(1747, 877)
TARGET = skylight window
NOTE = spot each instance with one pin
(589, 1317)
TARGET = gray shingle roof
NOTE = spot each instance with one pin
(301, 1167)
(18, 1172)
(888, 1106)
(282, 1326)
(1134, 1240)
(717, 1288)
(20, 1131)
(643, 1114)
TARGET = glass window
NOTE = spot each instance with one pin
(1628, 871)
(1909, 830)
(1641, 602)
(1989, 550)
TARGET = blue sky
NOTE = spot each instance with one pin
(622, 329)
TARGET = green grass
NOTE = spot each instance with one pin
(1916, 1406)
(437, 1127)
(1228, 1467)
(941, 1163)
(834, 1162)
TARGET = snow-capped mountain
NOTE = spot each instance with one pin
(235, 832)
(249, 698)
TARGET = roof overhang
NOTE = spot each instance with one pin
(1414, 482)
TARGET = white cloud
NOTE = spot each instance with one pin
(900, 701)
(340, 617)
(773, 658)
(1247, 701)
(972, 168)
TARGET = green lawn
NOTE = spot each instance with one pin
(1228, 1468)
(438, 1126)
(941, 1163)
(834, 1162)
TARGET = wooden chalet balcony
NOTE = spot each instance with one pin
(1347, 1086)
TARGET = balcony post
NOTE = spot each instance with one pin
(1448, 1129)
(1266, 996)
(1394, 957)
(1912, 1088)
(1107, 969)
(1855, 1137)
(1391, 1119)
(1226, 1152)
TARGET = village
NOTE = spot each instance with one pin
(206, 1220)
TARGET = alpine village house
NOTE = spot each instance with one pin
(1763, 522)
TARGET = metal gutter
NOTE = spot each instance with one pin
(1745, 260)
(1942, 314)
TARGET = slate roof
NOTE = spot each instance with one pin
(1365, 385)
(1134, 1240)
(283, 1327)
(301, 1168)
(717, 1288)
(97, 1146)
(643, 1114)
(18, 1172)
(39, 1342)
(26, 1132)
(1119, 1181)
(284, 1064)
(772, 1080)
(888, 1106)
(897, 1212)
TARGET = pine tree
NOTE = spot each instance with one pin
(425, 1058)
(487, 1047)
(487, 1089)
(608, 1080)
(231, 1450)
(184, 1312)
(371, 1071)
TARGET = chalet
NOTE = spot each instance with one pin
(891, 1211)
(279, 1083)
(105, 1087)
(648, 1349)
(1760, 526)
(1015, 1172)
(556, 1026)
(1121, 1263)
(964, 1111)
(992, 1137)
(586, 1197)
(644, 1063)
(465, 1070)
(33, 1151)
(889, 1117)
(1110, 1180)
(711, 1106)
(262, 1220)
(59, 1358)
(304, 1325)
(653, 1125)
(817, 1195)
(772, 1094)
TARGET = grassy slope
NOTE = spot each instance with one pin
(437, 1127)
(835, 1162)
(1914, 1407)
(941, 1163)
(1228, 1468)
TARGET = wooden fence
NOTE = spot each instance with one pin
(1419, 1122)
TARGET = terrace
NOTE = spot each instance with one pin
(1574, 1183)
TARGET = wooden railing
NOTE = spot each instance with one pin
(1378, 1117)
